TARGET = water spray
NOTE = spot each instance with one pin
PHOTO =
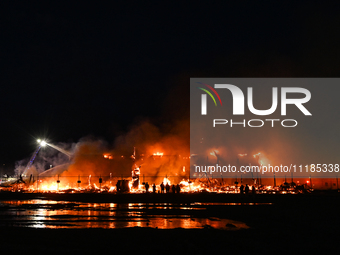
(44, 143)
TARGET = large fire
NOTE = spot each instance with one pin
(158, 164)
(175, 181)
(183, 186)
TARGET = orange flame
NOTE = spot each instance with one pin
(158, 154)
(108, 156)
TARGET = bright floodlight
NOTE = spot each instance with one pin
(42, 143)
(39, 141)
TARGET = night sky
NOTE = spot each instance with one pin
(75, 70)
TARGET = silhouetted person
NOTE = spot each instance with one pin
(154, 188)
(118, 186)
(178, 188)
(241, 189)
(253, 190)
(147, 187)
(173, 188)
(167, 188)
(246, 189)
(162, 187)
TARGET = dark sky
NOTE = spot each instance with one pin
(68, 71)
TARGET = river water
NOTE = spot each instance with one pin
(61, 214)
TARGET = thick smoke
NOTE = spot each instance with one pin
(170, 135)
(88, 156)
(47, 158)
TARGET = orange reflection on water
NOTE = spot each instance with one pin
(54, 214)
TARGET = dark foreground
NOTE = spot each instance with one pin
(292, 224)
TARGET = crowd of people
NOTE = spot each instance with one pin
(245, 189)
(163, 188)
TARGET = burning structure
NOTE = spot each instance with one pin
(155, 168)
(144, 156)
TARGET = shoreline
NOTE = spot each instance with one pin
(174, 198)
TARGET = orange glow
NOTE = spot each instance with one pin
(108, 156)
(214, 152)
(166, 180)
(186, 186)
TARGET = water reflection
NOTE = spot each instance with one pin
(54, 214)
(199, 203)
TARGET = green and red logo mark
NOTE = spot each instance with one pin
(204, 97)
(209, 93)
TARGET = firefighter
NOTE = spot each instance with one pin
(253, 189)
(118, 186)
(246, 189)
(167, 188)
(241, 189)
(173, 188)
(178, 188)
